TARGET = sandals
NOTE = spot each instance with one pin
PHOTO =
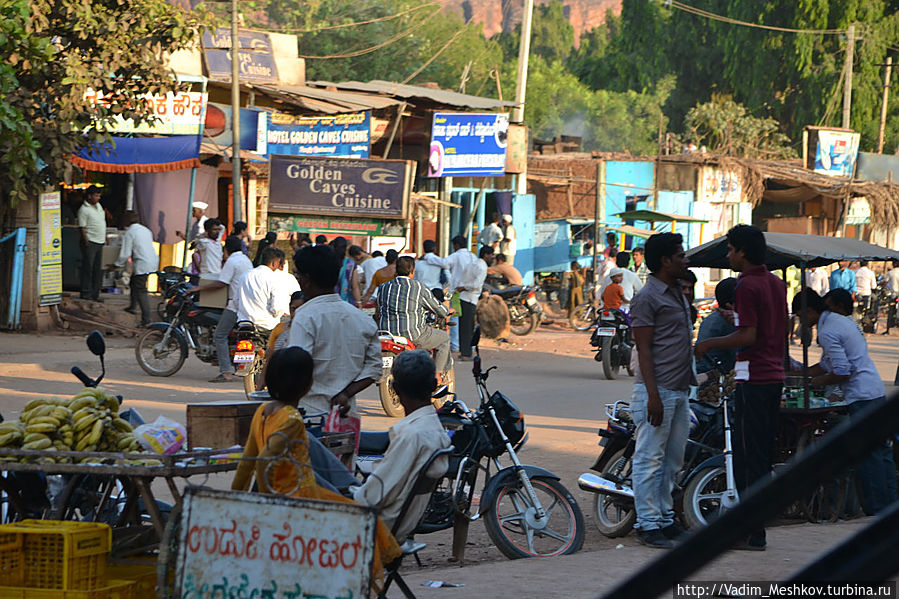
(223, 379)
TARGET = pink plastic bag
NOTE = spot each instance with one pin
(349, 424)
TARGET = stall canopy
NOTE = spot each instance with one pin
(141, 154)
(659, 217)
(789, 249)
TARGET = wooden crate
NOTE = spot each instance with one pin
(342, 445)
(219, 424)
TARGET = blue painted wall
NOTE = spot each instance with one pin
(524, 212)
(679, 202)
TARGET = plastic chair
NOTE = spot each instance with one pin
(424, 485)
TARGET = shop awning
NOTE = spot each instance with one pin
(632, 231)
(141, 155)
(417, 92)
(661, 217)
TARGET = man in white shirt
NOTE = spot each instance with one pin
(196, 229)
(413, 440)
(236, 266)
(492, 234)
(342, 340)
(209, 249)
(865, 281)
(509, 245)
(426, 273)
(259, 296)
(367, 264)
(92, 220)
(465, 272)
(630, 282)
(137, 244)
(892, 278)
(818, 281)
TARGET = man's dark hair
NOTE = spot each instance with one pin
(239, 227)
(414, 375)
(485, 250)
(611, 237)
(430, 246)
(288, 375)
(501, 258)
(404, 266)
(130, 217)
(233, 244)
(211, 222)
(862, 263)
(661, 245)
(726, 291)
(338, 244)
(751, 241)
(354, 251)
(623, 259)
(377, 254)
(637, 250)
(613, 252)
(459, 241)
(391, 256)
(319, 263)
(813, 301)
(841, 298)
(296, 296)
(91, 189)
(269, 254)
(689, 276)
(321, 240)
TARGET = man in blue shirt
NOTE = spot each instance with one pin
(845, 361)
(843, 278)
(719, 323)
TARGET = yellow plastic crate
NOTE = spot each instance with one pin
(51, 554)
(142, 575)
(112, 589)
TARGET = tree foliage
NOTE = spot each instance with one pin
(552, 35)
(55, 51)
(725, 127)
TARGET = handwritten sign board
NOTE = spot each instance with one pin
(179, 113)
(235, 544)
(340, 186)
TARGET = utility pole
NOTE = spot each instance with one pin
(883, 104)
(521, 84)
(235, 114)
(847, 87)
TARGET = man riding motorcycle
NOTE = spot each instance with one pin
(403, 304)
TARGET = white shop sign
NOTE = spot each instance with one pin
(236, 544)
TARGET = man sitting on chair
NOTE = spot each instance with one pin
(413, 440)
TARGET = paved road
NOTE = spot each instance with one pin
(550, 375)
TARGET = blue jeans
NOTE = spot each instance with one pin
(658, 456)
(454, 333)
(876, 472)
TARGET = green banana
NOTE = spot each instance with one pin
(41, 428)
(9, 438)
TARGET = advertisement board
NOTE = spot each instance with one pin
(469, 144)
(345, 135)
(835, 152)
(175, 114)
(256, 58)
(340, 186)
(236, 544)
(50, 262)
(328, 225)
(218, 127)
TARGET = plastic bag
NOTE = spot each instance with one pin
(335, 423)
(163, 436)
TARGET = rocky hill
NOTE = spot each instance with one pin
(503, 15)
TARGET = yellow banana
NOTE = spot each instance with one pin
(45, 420)
(61, 413)
(40, 428)
(85, 423)
(10, 427)
(80, 402)
(83, 413)
(122, 425)
(33, 404)
(84, 444)
(125, 442)
(60, 446)
(39, 444)
(96, 432)
(9, 438)
(32, 437)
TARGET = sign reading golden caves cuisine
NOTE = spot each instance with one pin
(340, 186)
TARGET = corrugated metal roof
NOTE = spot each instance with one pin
(410, 92)
(319, 100)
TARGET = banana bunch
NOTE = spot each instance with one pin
(47, 424)
(96, 425)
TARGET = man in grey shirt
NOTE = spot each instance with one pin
(660, 316)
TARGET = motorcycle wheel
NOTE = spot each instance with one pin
(390, 401)
(702, 496)
(582, 317)
(610, 360)
(615, 517)
(523, 322)
(253, 380)
(159, 361)
(508, 520)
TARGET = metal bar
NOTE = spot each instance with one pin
(396, 125)
(838, 449)
(15, 296)
(146, 493)
(235, 115)
(803, 324)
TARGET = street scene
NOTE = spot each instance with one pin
(430, 298)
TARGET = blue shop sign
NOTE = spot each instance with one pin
(345, 135)
(257, 60)
(469, 144)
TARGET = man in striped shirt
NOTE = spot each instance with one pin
(403, 304)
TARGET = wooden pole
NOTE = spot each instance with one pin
(235, 115)
(883, 104)
(847, 87)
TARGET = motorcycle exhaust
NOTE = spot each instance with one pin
(597, 484)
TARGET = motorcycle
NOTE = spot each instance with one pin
(163, 348)
(167, 280)
(391, 347)
(704, 485)
(526, 510)
(613, 340)
(247, 345)
(881, 299)
(525, 311)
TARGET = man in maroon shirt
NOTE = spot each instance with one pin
(760, 315)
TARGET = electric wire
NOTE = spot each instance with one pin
(710, 15)
(434, 57)
(353, 24)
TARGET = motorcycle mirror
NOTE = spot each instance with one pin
(96, 343)
(442, 391)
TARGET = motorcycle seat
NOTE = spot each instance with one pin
(373, 443)
(508, 291)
